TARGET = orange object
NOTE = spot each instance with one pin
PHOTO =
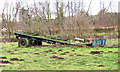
(90, 39)
(79, 47)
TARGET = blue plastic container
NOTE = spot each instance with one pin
(98, 42)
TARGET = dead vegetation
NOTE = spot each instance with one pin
(37, 19)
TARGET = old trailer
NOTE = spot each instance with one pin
(28, 40)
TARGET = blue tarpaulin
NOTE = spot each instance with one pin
(98, 42)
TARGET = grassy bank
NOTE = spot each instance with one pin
(36, 58)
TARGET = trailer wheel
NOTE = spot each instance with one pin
(39, 42)
(23, 42)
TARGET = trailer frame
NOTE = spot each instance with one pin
(27, 40)
(23, 38)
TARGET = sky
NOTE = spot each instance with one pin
(94, 8)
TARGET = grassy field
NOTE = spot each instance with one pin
(37, 58)
(110, 42)
(116, 33)
(103, 33)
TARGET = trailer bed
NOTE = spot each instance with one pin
(32, 40)
(42, 39)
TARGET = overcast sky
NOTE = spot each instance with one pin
(94, 9)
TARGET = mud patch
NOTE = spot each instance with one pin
(54, 53)
(62, 53)
(80, 47)
(13, 53)
(51, 60)
(36, 49)
(101, 51)
(45, 55)
(25, 52)
(95, 52)
(4, 61)
(60, 58)
(21, 59)
(35, 60)
(16, 50)
(3, 57)
(66, 52)
(97, 49)
(14, 59)
(115, 51)
(70, 55)
(8, 51)
(109, 51)
(52, 46)
(73, 50)
(48, 51)
(75, 54)
(79, 55)
(56, 57)
(36, 53)
(117, 62)
(100, 65)
(60, 50)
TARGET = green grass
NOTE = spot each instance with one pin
(1, 37)
(99, 34)
(86, 62)
(107, 33)
(111, 42)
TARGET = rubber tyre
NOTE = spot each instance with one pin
(23, 42)
(38, 43)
